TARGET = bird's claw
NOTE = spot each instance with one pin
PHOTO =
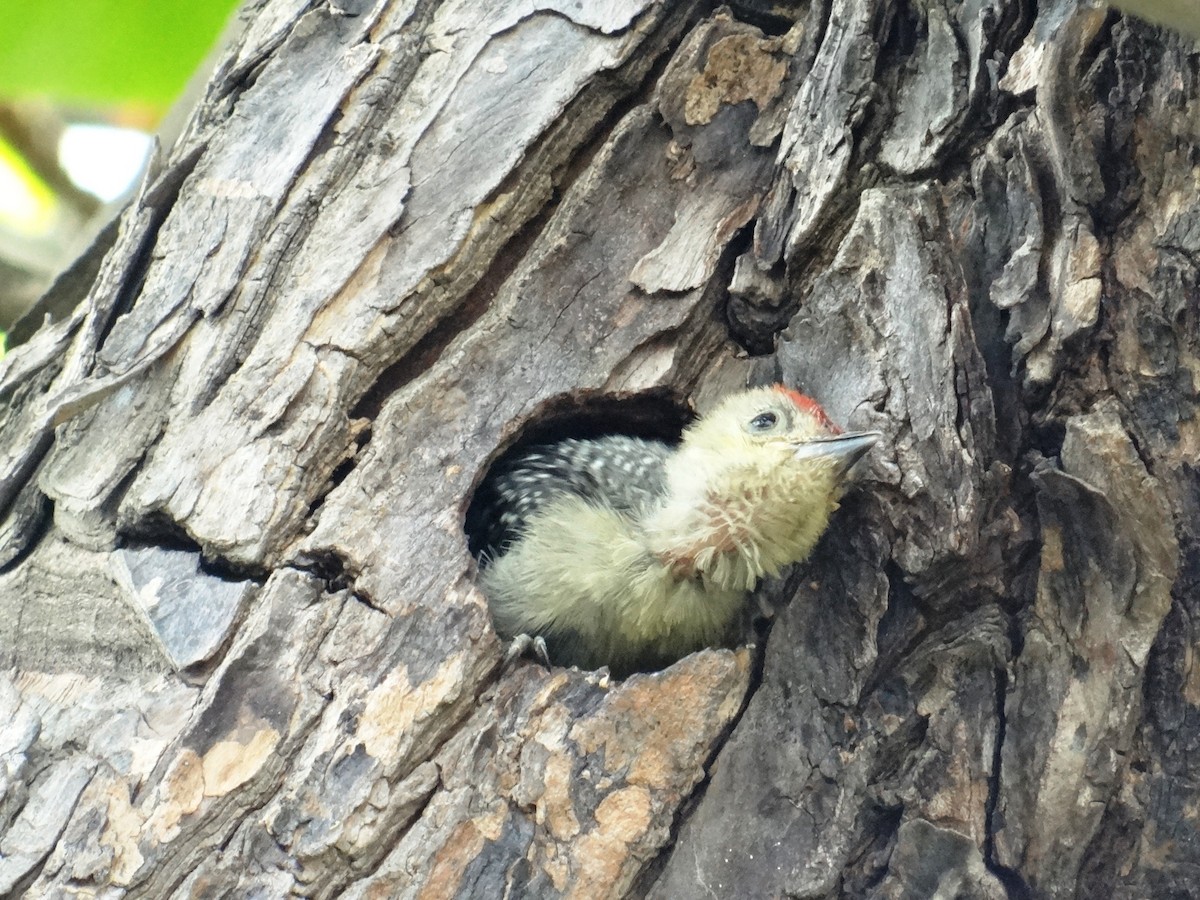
(526, 645)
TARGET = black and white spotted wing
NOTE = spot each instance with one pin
(625, 473)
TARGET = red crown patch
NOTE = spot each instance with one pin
(810, 406)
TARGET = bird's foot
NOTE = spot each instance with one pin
(527, 645)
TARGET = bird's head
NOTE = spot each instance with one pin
(754, 482)
(774, 428)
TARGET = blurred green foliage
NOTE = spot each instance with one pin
(105, 51)
(122, 61)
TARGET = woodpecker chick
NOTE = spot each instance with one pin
(631, 553)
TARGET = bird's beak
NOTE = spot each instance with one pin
(844, 449)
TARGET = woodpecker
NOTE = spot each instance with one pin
(632, 553)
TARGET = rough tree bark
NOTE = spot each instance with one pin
(244, 652)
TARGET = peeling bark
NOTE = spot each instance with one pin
(243, 652)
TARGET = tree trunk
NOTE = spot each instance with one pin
(245, 654)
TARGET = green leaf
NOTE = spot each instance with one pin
(105, 51)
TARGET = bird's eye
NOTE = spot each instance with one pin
(763, 421)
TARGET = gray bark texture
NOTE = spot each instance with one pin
(242, 653)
